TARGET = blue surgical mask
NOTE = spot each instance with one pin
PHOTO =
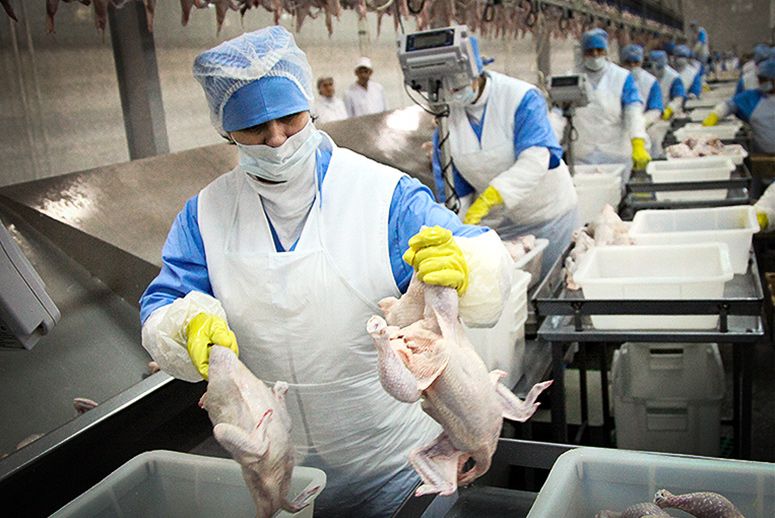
(462, 97)
(280, 164)
(594, 64)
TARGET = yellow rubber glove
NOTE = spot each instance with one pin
(640, 157)
(667, 114)
(206, 330)
(482, 206)
(437, 259)
(763, 220)
(710, 120)
(706, 87)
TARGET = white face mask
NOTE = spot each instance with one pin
(681, 63)
(658, 71)
(594, 64)
(280, 164)
(766, 86)
(463, 97)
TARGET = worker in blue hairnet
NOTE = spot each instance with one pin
(700, 43)
(648, 86)
(611, 128)
(756, 107)
(673, 91)
(506, 161)
(690, 71)
(290, 252)
(749, 80)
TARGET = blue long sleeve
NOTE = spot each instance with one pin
(696, 87)
(677, 89)
(630, 93)
(184, 267)
(532, 128)
(744, 104)
(411, 207)
(654, 101)
(462, 187)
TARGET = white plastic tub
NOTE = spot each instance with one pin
(724, 130)
(703, 169)
(667, 397)
(708, 102)
(594, 191)
(172, 484)
(503, 345)
(699, 114)
(666, 272)
(734, 226)
(585, 481)
(598, 169)
(734, 152)
(531, 261)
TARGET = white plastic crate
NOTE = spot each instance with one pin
(585, 481)
(703, 169)
(531, 261)
(735, 152)
(707, 102)
(734, 226)
(503, 345)
(724, 130)
(665, 272)
(172, 484)
(594, 191)
(667, 397)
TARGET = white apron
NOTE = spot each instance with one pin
(480, 162)
(688, 74)
(763, 125)
(301, 317)
(666, 83)
(602, 137)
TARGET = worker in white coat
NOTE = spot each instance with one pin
(756, 107)
(290, 252)
(648, 86)
(700, 43)
(328, 107)
(690, 71)
(364, 96)
(507, 163)
(748, 78)
(611, 128)
(673, 91)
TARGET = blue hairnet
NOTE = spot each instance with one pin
(632, 53)
(767, 68)
(474, 42)
(761, 52)
(658, 57)
(669, 47)
(594, 39)
(253, 59)
(682, 51)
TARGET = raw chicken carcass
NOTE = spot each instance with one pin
(692, 147)
(252, 423)
(521, 246)
(704, 504)
(644, 510)
(423, 351)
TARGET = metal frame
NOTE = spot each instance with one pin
(565, 322)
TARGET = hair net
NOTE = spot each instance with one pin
(682, 51)
(659, 58)
(632, 53)
(595, 39)
(669, 47)
(474, 42)
(269, 60)
(761, 52)
(767, 68)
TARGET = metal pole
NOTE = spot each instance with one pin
(451, 199)
(138, 81)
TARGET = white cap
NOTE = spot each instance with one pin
(364, 62)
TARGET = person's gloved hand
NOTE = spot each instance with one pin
(706, 87)
(640, 157)
(482, 206)
(667, 114)
(203, 331)
(763, 220)
(710, 120)
(437, 259)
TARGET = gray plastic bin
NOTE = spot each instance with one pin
(587, 480)
(171, 484)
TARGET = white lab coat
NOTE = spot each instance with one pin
(665, 84)
(364, 101)
(329, 109)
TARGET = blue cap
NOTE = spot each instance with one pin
(761, 52)
(632, 53)
(658, 57)
(766, 68)
(682, 51)
(474, 42)
(669, 47)
(594, 39)
(261, 101)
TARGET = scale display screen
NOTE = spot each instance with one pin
(565, 81)
(430, 40)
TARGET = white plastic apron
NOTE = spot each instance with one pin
(602, 137)
(666, 83)
(480, 162)
(299, 319)
(763, 125)
(688, 74)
